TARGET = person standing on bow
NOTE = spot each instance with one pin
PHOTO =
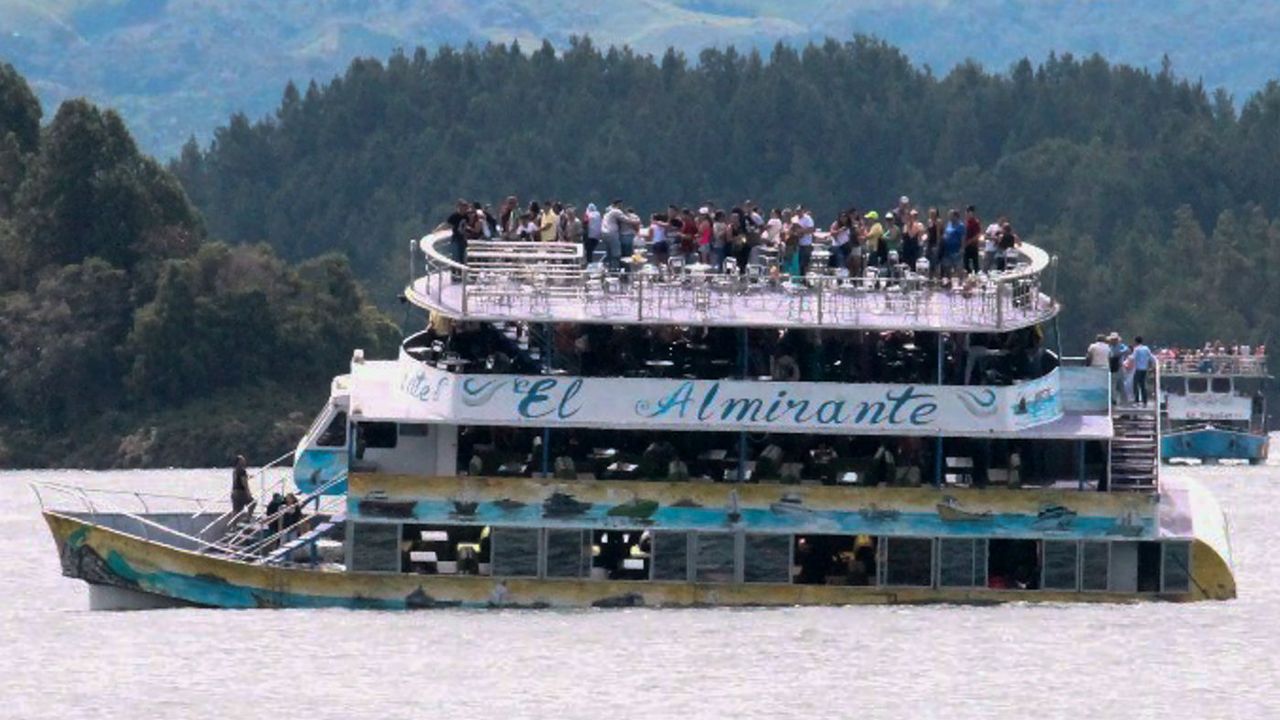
(241, 498)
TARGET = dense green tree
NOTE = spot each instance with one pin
(89, 193)
(1124, 173)
(114, 309)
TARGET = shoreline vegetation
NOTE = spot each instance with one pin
(155, 316)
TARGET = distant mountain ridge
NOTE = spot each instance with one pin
(180, 67)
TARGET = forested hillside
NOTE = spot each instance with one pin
(127, 337)
(1157, 195)
(177, 67)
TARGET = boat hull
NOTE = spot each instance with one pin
(1212, 444)
(106, 557)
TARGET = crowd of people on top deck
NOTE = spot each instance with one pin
(939, 244)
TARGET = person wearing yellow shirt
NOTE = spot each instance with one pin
(548, 223)
(875, 236)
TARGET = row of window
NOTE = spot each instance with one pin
(742, 557)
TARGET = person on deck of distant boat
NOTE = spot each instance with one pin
(241, 498)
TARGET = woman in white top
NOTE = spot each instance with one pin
(840, 230)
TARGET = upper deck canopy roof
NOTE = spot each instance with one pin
(547, 282)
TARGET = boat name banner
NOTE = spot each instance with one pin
(676, 404)
(1209, 406)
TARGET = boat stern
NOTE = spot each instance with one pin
(1189, 511)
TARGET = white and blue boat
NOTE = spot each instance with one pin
(566, 435)
(1214, 406)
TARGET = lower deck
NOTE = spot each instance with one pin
(906, 571)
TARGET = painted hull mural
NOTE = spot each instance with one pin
(528, 502)
(1214, 443)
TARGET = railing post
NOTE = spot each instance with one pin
(999, 305)
(463, 273)
(412, 264)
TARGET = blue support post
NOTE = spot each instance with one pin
(937, 459)
(742, 374)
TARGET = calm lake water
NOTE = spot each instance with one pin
(1208, 660)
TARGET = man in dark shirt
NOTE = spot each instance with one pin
(457, 224)
(972, 239)
(241, 497)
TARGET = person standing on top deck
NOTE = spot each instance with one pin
(591, 220)
(805, 221)
(952, 245)
(509, 218)
(1115, 361)
(1008, 241)
(457, 223)
(1142, 360)
(892, 240)
(241, 498)
(840, 231)
(991, 244)
(912, 239)
(875, 236)
(548, 221)
(933, 236)
(628, 227)
(610, 233)
(972, 239)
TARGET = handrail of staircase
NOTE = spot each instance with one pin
(230, 515)
(266, 520)
(316, 494)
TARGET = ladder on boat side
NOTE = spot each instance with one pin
(1135, 449)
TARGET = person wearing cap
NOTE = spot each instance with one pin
(1098, 354)
(892, 240)
(874, 238)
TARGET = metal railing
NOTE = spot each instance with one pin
(520, 281)
(243, 542)
(1201, 363)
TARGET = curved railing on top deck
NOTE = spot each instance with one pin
(541, 282)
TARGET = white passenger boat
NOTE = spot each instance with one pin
(562, 435)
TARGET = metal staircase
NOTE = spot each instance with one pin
(307, 539)
(250, 538)
(1135, 449)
